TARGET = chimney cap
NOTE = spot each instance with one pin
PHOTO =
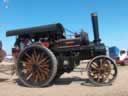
(93, 14)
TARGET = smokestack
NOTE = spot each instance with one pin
(95, 28)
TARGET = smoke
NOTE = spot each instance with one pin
(6, 3)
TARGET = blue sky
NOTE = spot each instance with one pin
(73, 14)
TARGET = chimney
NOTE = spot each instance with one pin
(95, 28)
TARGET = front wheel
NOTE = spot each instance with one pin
(102, 70)
(36, 66)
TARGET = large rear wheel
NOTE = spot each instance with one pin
(36, 66)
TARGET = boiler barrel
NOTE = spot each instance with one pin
(45, 29)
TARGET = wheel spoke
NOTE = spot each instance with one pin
(27, 67)
(42, 76)
(44, 66)
(101, 63)
(28, 61)
(98, 77)
(34, 52)
(44, 72)
(39, 74)
(104, 77)
(35, 55)
(41, 56)
(94, 66)
(111, 74)
(33, 76)
(29, 76)
(28, 56)
(95, 76)
(36, 77)
(38, 58)
(33, 59)
(43, 60)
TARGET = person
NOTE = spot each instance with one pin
(0, 44)
(76, 34)
(2, 55)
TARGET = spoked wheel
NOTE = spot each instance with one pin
(102, 70)
(36, 66)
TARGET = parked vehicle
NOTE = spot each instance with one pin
(123, 57)
(44, 53)
(114, 52)
(120, 56)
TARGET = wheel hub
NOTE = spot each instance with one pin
(35, 67)
(101, 71)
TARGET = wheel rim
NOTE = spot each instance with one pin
(35, 66)
(102, 70)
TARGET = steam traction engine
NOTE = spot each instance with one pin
(43, 54)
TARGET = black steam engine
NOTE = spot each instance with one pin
(44, 53)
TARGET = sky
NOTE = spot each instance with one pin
(73, 14)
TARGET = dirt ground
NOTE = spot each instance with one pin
(73, 84)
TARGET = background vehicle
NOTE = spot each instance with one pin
(44, 53)
(120, 56)
(123, 57)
